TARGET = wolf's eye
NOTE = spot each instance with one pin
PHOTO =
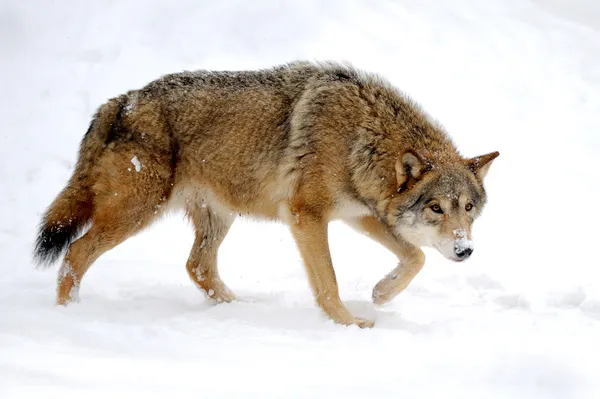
(468, 207)
(436, 208)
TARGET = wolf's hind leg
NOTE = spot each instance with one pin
(125, 201)
(111, 226)
(411, 259)
(211, 229)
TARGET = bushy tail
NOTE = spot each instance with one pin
(72, 210)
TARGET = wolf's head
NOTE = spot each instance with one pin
(437, 203)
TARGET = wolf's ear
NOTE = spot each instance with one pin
(410, 165)
(481, 164)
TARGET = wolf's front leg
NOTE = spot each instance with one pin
(310, 233)
(396, 281)
(411, 258)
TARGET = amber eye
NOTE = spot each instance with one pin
(436, 208)
(468, 207)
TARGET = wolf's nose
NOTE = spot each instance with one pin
(463, 253)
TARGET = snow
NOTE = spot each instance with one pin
(519, 319)
(136, 162)
(463, 241)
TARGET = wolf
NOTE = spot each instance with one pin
(301, 143)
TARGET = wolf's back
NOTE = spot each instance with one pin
(72, 209)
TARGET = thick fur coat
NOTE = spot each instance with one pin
(301, 143)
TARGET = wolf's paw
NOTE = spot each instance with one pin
(380, 297)
(67, 292)
(341, 315)
(64, 300)
(363, 323)
(355, 321)
(388, 288)
(220, 293)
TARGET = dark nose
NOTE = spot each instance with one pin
(463, 253)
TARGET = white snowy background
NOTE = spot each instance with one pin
(521, 319)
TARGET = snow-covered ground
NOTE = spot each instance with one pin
(521, 319)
